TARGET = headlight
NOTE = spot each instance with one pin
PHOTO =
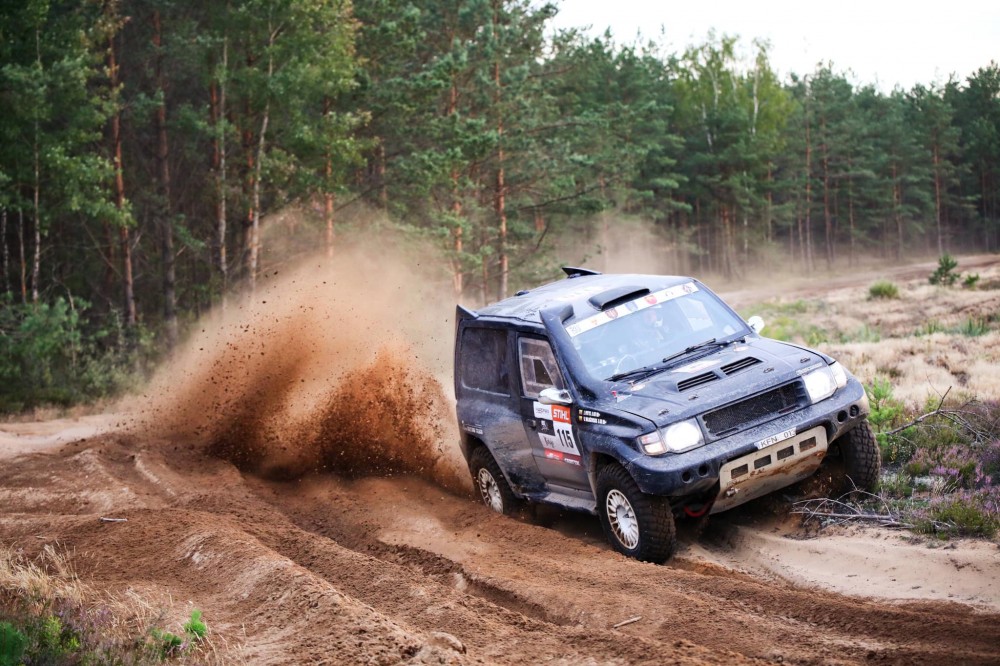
(839, 374)
(821, 383)
(683, 436)
(677, 438)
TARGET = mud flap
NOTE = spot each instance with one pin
(772, 467)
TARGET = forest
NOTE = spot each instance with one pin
(146, 144)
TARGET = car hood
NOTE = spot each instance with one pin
(709, 381)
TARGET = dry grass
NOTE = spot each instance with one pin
(920, 341)
(113, 626)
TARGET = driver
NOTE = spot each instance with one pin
(655, 329)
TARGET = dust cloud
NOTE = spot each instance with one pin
(336, 366)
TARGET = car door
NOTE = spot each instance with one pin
(488, 405)
(549, 428)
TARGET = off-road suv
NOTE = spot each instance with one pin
(642, 398)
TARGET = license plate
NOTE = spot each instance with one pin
(774, 439)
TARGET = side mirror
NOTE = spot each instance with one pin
(756, 322)
(553, 396)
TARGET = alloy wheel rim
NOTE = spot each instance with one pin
(622, 518)
(490, 490)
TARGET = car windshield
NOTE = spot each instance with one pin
(650, 329)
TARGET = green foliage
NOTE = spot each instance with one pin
(886, 411)
(945, 273)
(970, 280)
(12, 645)
(883, 289)
(164, 644)
(930, 327)
(195, 627)
(49, 354)
(973, 327)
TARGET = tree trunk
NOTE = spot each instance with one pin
(851, 221)
(827, 218)
(166, 208)
(897, 200)
(501, 205)
(24, 265)
(937, 199)
(36, 266)
(254, 238)
(219, 158)
(6, 251)
(807, 222)
(328, 191)
(123, 234)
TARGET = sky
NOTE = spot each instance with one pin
(883, 42)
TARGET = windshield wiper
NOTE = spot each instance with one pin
(648, 370)
(693, 348)
(644, 371)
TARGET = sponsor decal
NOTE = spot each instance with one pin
(633, 306)
(561, 440)
(590, 416)
(774, 439)
(542, 411)
(560, 414)
(472, 428)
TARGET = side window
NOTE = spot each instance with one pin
(538, 367)
(484, 360)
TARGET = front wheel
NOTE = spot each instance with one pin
(636, 524)
(861, 457)
(493, 488)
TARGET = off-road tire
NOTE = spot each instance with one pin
(648, 519)
(490, 484)
(862, 460)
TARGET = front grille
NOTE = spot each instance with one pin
(691, 382)
(755, 410)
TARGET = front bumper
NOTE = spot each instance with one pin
(696, 472)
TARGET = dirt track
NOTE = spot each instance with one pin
(372, 570)
(378, 563)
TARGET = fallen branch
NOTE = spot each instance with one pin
(113, 520)
(922, 417)
(631, 620)
(884, 520)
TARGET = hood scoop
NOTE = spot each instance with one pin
(696, 381)
(742, 364)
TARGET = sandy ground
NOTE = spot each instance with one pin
(306, 536)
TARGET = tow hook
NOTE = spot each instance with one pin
(732, 491)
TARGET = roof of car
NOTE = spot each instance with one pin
(587, 294)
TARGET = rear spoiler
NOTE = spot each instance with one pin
(573, 271)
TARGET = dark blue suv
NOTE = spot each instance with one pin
(642, 398)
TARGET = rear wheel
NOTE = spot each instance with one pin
(635, 524)
(861, 457)
(490, 483)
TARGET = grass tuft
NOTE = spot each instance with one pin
(883, 289)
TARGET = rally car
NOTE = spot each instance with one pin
(643, 398)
